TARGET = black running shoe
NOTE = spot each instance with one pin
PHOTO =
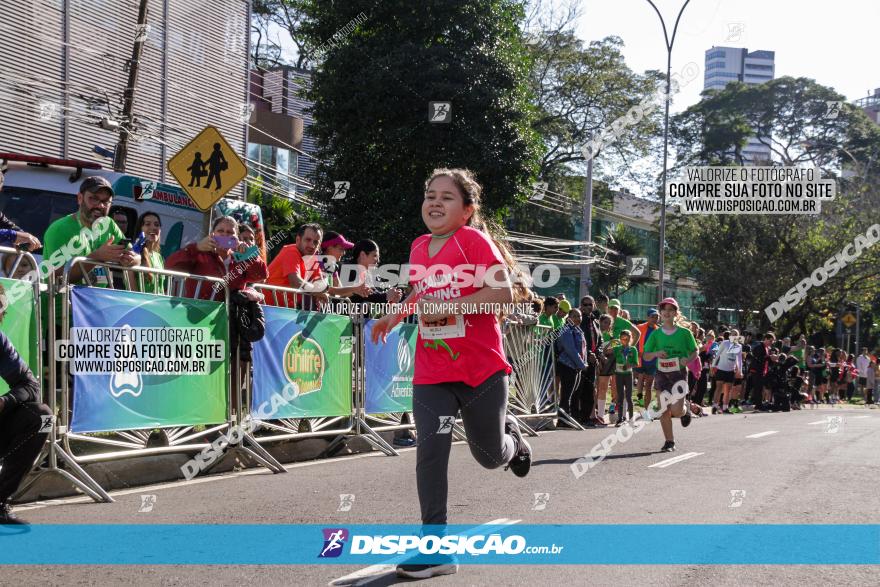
(426, 571)
(668, 446)
(7, 517)
(522, 458)
(686, 419)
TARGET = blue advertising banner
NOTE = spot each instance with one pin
(302, 367)
(389, 369)
(350, 544)
(145, 361)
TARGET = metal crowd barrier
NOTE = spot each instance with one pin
(530, 352)
(135, 443)
(531, 395)
(15, 264)
(298, 428)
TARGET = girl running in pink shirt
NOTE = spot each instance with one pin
(460, 363)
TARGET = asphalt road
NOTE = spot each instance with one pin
(740, 469)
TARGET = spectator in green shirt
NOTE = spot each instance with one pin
(88, 232)
(621, 323)
(626, 358)
(549, 316)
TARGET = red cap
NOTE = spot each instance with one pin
(670, 301)
(336, 239)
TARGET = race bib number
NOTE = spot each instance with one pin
(102, 279)
(449, 327)
(667, 365)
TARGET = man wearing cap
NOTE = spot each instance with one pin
(646, 369)
(620, 323)
(89, 232)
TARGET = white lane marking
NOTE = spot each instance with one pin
(762, 434)
(858, 417)
(198, 480)
(673, 460)
(819, 422)
(374, 572)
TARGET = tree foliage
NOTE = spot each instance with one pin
(371, 96)
(750, 261)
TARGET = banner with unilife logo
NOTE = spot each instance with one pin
(306, 358)
(390, 367)
(145, 361)
(20, 327)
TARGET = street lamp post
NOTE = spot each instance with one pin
(669, 43)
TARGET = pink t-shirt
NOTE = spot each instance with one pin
(478, 354)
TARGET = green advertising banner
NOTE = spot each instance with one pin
(302, 367)
(20, 327)
(145, 361)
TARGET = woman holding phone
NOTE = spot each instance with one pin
(215, 256)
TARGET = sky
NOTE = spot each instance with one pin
(831, 42)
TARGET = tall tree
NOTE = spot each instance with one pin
(580, 91)
(751, 261)
(374, 126)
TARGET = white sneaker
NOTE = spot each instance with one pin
(426, 571)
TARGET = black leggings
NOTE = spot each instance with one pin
(483, 411)
(20, 443)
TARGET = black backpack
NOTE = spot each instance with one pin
(248, 323)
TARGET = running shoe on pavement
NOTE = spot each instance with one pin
(522, 458)
(421, 571)
(686, 419)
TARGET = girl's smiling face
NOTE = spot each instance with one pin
(443, 209)
(668, 312)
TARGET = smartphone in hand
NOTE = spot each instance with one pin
(138, 245)
(226, 242)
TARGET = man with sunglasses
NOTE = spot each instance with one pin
(584, 396)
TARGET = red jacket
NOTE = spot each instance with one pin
(191, 260)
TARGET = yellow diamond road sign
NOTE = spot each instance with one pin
(207, 168)
(848, 320)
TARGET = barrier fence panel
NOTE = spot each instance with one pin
(23, 324)
(181, 380)
(388, 371)
(304, 377)
(529, 349)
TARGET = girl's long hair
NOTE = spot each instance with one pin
(471, 191)
(148, 247)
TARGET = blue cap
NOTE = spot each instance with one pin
(652, 312)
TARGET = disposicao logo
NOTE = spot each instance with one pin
(334, 541)
(122, 383)
(304, 363)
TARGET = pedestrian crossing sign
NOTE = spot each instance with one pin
(207, 168)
